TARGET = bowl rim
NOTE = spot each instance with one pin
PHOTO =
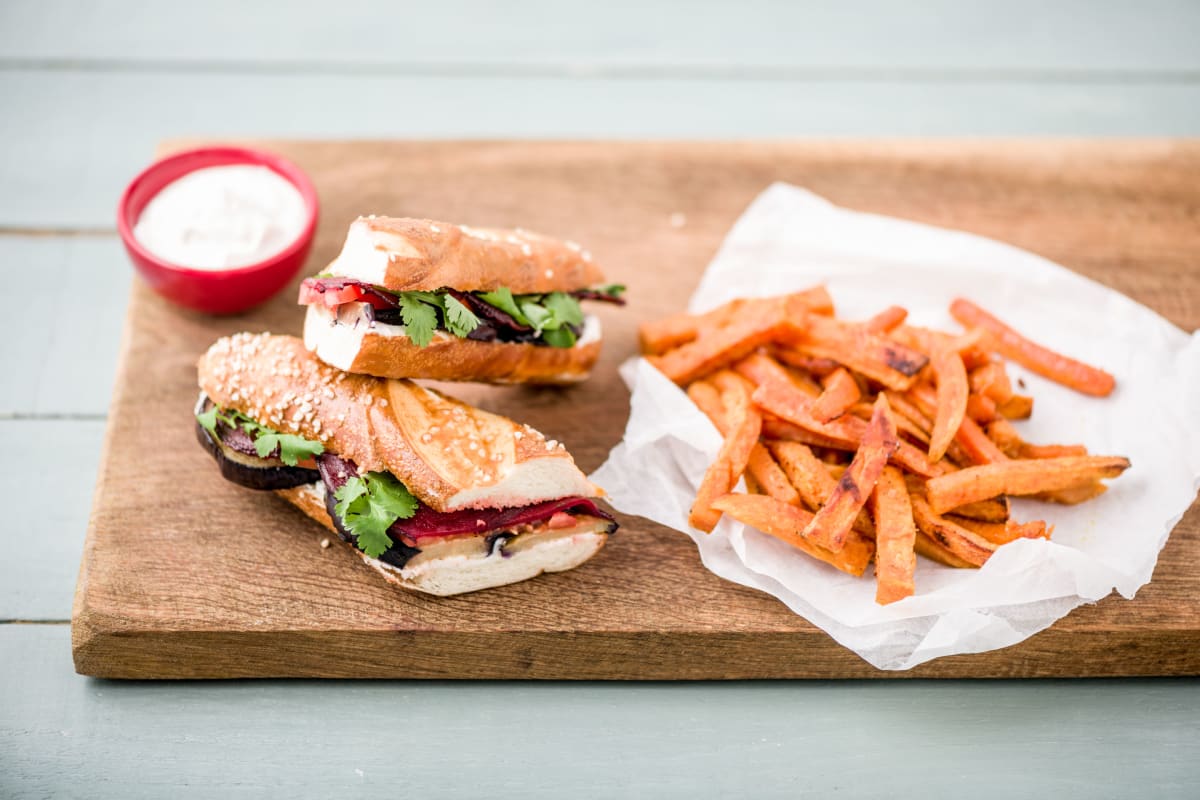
(230, 155)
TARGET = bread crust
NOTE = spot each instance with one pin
(449, 358)
(447, 576)
(449, 454)
(426, 255)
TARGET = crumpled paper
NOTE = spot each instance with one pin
(790, 239)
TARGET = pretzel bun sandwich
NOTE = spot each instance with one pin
(414, 298)
(435, 495)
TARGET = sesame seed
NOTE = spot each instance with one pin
(434, 228)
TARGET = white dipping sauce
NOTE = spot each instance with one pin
(222, 218)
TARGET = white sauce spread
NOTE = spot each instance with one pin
(220, 218)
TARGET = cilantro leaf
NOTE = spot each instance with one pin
(370, 504)
(560, 337)
(420, 318)
(292, 448)
(538, 316)
(208, 420)
(612, 289)
(564, 307)
(502, 299)
(459, 319)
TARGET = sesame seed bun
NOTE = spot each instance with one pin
(450, 455)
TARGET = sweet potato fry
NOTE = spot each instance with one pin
(879, 358)
(756, 324)
(1019, 478)
(785, 522)
(991, 380)
(952, 394)
(981, 408)
(665, 334)
(820, 367)
(841, 392)
(832, 523)
(900, 405)
(996, 509)
(760, 368)
(970, 445)
(811, 479)
(1075, 495)
(1018, 406)
(927, 547)
(787, 402)
(1005, 437)
(1045, 362)
(775, 429)
(904, 425)
(999, 533)
(761, 466)
(745, 425)
(886, 320)
(966, 545)
(895, 538)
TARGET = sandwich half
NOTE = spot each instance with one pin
(435, 495)
(414, 298)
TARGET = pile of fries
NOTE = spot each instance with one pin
(873, 440)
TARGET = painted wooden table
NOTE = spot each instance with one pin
(88, 88)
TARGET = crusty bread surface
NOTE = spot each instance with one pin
(406, 254)
(446, 357)
(449, 454)
(465, 563)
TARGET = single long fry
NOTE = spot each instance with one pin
(966, 545)
(1042, 360)
(878, 357)
(758, 323)
(745, 424)
(841, 392)
(1019, 478)
(832, 523)
(952, 391)
(785, 522)
(999, 533)
(895, 538)
(665, 334)
(812, 481)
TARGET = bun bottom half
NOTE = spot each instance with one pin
(347, 342)
(462, 564)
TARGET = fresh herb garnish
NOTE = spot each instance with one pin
(419, 310)
(370, 504)
(460, 320)
(502, 299)
(612, 289)
(292, 448)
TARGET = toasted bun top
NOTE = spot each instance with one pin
(403, 254)
(449, 454)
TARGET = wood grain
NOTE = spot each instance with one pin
(216, 581)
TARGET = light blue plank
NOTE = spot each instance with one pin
(620, 36)
(64, 736)
(49, 469)
(60, 355)
(72, 140)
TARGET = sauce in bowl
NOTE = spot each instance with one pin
(222, 218)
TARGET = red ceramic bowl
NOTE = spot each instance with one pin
(214, 291)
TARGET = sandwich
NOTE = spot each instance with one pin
(435, 495)
(414, 298)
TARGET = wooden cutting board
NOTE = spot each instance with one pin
(187, 576)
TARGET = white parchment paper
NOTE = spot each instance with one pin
(790, 239)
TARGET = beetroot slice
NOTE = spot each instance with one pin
(430, 524)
